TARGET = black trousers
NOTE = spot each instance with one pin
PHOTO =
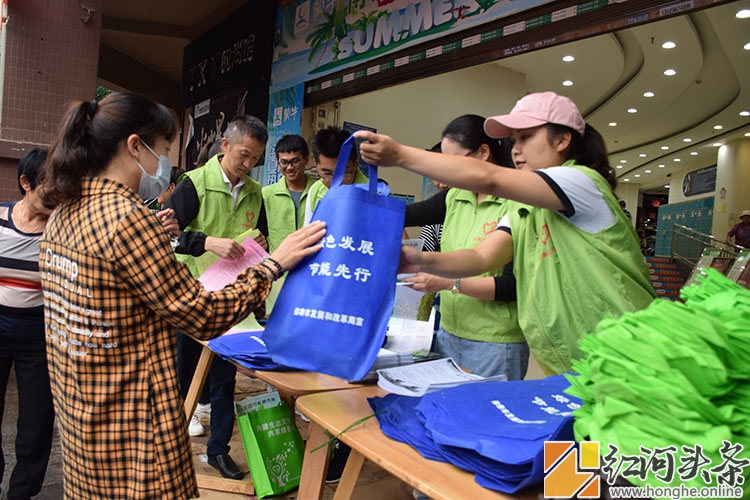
(36, 416)
(221, 383)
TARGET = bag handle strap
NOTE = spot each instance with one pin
(343, 159)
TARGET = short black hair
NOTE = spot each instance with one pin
(175, 175)
(328, 142)
(30, 165)
(291, 143)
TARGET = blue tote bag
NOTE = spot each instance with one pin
(332, 313)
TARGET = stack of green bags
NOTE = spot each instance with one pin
(673, 375)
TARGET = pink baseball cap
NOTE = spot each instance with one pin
(536, 109)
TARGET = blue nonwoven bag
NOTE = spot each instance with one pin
(332, 313)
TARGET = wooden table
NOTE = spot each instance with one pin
(290, 384)
(334, 411)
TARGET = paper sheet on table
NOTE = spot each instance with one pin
(410, 335)
(224, 271)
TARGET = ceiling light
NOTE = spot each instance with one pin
(567, 83)
(632, 110)
(623, 161)
(694, 153)
(661, 165)
(718, 127)
(648, 94)
(642, 155)
(670, 72)
(665, 148)
(612, 124)
(747, 134)
(637, 175)
(626, 180)
(619, 166)
(716, 144)
(742, 14)
(746, 46)
(744, 113)
(676, 159)
(568, 58)
(647, 171)
(666, 186)
(668, 45)
(687, 139)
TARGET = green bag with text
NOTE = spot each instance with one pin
(273, 444)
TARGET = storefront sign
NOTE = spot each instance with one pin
(236, 51)
(318, 37)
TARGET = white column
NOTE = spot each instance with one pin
(732, 185)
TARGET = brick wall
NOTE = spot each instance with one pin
(51, 59)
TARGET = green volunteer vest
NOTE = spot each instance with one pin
(318, 190)
(217, 215)
(280, 211)
(466, 225)
(568, 280)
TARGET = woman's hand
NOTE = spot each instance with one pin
(411, 260)
(226, 248)
(429, 283)
(300, 244)
(379, 149)
(168, 222)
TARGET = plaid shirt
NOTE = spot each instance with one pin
(113, 296)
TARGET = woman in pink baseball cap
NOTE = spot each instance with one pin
(576, 256)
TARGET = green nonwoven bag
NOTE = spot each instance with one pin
(273, 444)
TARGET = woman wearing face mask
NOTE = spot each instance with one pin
(113, 296)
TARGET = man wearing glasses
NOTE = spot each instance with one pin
(326, 145)
(283, 199)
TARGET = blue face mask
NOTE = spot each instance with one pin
(152, 186)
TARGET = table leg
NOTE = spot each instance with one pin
(314, 465)
(199, 378)
(348, 481)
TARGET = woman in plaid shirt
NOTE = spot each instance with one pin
(113, 296)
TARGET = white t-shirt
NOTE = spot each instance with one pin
(585, 206)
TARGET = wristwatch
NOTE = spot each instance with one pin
(456, 288)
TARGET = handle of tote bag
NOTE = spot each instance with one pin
(343, 159)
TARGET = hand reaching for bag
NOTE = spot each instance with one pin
(379, 149)
(300, 244)
(411, 261)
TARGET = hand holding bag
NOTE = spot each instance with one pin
(332, 313)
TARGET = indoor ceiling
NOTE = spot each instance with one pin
(705, 104)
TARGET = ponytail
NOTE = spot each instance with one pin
(67, 163)
(90, 135)
(589, 150)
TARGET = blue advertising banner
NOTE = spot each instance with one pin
(318, 37)
(284, 117)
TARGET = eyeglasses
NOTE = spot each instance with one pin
(295, 162)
